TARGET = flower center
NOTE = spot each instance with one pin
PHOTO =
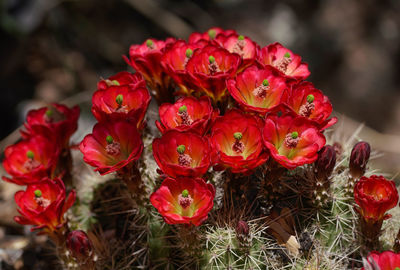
(52, 115)
(261, 90)
(185, 117)
(239, 46)
(213, 66)
(238, 146)
(31, 164)
(307, 108)
(283, 63)
(41, 202)
(188, 54)
(121, 108)
(112, 83)
(184, 199)
(113, 148)
(183, 159)
(292, 139)
(212, 33)
(150, 44)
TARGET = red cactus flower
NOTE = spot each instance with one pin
(112, 146)
(292, 140)
(184, 200)
(182, 154)
(209, 35)
(244, 46)
(31, 160)
(387, 260)
(145, 59)
(374, 196)
(258, 90)
(187, 114)
(209, 67)
(44, 204)
(309, 102)
(237, 142)
(174, 63)
(123, 78)
(57, 122)
(285, 61)
(121, 103)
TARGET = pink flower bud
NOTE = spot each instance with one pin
(359, 159)
(80, 246)
(325, 163)
(242, 228)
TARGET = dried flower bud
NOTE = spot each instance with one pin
(242, 228)
(78, 243)
(359, 158)
(325, 163)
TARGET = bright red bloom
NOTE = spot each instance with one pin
(184, 200)
(387, 260)
(285, 61)
(57, 122)
(375, 195)
(44, 204)
(123, 78)
(145, 59)
(209, 67)
(121, 103)
(292, 140)
(309, 102)
(31, 160)
(258, 90)
(174, 63)
(187, 114)
(182, 154)
(237, 142)
(243, 46)
(209, 35)
(112, 146)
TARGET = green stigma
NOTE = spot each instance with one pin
(185, 193)
(287, 55)
(109, 139)
(181, 149)
(265, 82)
(115, 82)
(49, 113)
(30, 154)
(397, 268)
(189, 53)
(310, 98)
(211, 59)
(295, 135)
(238, 135)
(240, 37)
(182, 109)
(119, 99)
(37, 193)
(149, 43)
(212, 33)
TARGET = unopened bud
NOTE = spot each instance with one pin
(79, 245)
(325, 163)
(242, 228)
(359, 158)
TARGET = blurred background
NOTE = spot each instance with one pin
(56, 51)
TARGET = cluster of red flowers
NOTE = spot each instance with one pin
(39, 161)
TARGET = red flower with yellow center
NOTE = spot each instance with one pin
(258, 90)
(209, 35)
(57, 122)
(387, 260)
(374, 196)
(145, 59)
(184, 200)
(285, 61)
(292, 140)
(112, 146)
(182, 154)
(123, 78)
(121, 103)
(209, 67)
(31, 160)
(237, 142)
(44, 204)
(309, 102)
(187, 114)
